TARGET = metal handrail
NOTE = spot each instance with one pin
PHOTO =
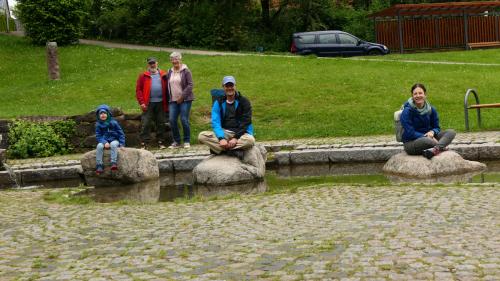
(466, 108)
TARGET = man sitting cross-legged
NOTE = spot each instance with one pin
(231, 123)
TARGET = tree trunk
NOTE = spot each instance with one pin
(265, 12)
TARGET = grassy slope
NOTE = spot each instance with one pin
(292, 97)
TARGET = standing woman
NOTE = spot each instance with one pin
(180, 92)
(422, 134)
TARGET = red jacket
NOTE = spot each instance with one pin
(143, 88)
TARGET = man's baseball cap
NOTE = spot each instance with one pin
(152, 60)
(228, 79)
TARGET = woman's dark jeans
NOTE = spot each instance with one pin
(416, 147)
(183, 110)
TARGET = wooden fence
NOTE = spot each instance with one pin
(437, 32)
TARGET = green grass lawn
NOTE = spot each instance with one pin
(292, 97)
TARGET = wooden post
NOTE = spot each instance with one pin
(400, 31)
(52, 61)
(466, 30)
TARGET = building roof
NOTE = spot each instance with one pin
(437, 9)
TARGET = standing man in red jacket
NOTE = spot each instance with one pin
(151, 94)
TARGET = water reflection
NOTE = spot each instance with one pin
(327, 169)
(168, 188)
(363, 172)
(144, 192)
(461, 178)
(170, 193)
(180, 185)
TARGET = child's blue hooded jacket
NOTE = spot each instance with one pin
(109, 130)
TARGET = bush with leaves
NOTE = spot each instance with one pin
(51, 20)
(29, 139)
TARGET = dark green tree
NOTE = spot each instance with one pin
(51, 20)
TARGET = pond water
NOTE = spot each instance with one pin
(173, 187)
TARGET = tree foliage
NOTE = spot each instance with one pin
(51, 20)
(228, 24)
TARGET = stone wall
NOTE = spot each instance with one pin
(4, 130)
(84, 138)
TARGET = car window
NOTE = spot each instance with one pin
(347, 39)
(306, 39)
(327, 39)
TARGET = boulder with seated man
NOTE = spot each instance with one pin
(226, 170)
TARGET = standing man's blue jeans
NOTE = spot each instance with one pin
(100, 152)
(183, 110)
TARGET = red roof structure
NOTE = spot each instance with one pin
(438, 25)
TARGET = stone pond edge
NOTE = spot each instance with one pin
(284, 155)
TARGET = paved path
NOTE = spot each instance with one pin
(324, 233)
(165, 49)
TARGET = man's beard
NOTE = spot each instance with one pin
(153, 69)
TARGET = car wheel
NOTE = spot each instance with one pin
(374, 52)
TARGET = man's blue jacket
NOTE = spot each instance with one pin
(243, 116)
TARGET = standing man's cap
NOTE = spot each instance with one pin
(152, 60)
(228, 79)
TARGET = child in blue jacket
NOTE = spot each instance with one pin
(109, 135)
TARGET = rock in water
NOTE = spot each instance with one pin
(227, 170)
(134, 165)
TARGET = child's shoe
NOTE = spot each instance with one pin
(187, 145)
(114, 166)
(99, 169)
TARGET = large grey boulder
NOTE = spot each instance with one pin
(227, 170)
(444, 164)
(134, 165)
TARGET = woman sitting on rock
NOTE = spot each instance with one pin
(422, 134)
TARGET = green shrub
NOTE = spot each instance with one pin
(29, 139)
(51, 20)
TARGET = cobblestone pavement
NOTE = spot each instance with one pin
(323, 233)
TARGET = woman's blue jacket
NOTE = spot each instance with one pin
(415, 125)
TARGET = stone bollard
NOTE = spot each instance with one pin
(52, 61)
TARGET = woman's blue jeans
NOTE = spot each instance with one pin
(183, 110)
(99, 153)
